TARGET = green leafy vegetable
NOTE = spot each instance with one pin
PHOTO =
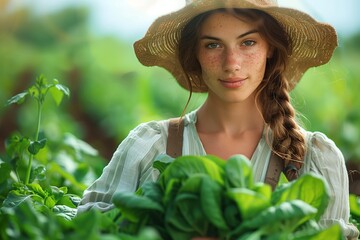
(209, 197)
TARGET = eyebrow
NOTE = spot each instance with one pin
(240, 36)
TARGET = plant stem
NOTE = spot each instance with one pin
(28, 172)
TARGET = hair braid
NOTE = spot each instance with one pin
(279, 114)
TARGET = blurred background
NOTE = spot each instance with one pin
(87, 46)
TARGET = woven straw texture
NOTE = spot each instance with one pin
(313, 42)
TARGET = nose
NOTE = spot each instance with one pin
(231, 60)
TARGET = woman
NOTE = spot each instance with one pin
(247, 55)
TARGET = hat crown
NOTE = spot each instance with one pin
(257, 2)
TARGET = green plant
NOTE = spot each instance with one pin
(39, 91)
(25, 177)
(31, 207)
(355, 209)
(207, 196)
(194, 195)
(21, 178)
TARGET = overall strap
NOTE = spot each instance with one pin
(175, 137)
(275, 167)
(175, 144)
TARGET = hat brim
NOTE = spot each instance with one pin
(313, 42)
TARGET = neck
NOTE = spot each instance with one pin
(229, 118)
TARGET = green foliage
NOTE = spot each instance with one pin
(355, 209)
(206, 196)
(25, 188)
(334, 109)
(27, 222)
(38, 91)
(195, 196)
(112, 88)
(32, 208)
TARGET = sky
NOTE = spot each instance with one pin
(131, 18)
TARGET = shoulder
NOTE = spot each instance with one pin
(148, 129)
(322, 153)
(146, 135)
(319, 144)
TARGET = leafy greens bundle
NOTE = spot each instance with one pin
(207, 196)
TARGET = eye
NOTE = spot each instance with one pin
(248, 43)
(212, 45)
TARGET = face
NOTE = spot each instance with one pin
(232, 55)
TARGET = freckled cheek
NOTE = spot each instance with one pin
(208, 61)
(255, 61)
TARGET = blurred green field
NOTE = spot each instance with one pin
(111, 92)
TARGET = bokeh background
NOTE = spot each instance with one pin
(87, 46)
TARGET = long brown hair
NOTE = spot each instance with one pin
(272, 95)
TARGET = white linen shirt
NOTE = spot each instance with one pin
(131, 166)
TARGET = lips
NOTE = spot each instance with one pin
(232, 82)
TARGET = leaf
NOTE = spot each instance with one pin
(153, 191)
(192, 184)
(34, 92)
(58, 91)
(282, 179)
(251, 236)
(79, 146)
(92, 220)
(56, 95)
(331, 233)
(63, 89)
(36, 188)
(210, 196)
(39, 173)
(309, 188)
(220, 162)
(74, 199)
(56, 168)
(239, 172)
(263, 189)
(134, 207)
(185, 166)
(186, 198)
(161, 162)
(148, 234)
(69, 200)
(57, 193)
(14, 199)
(293, 213)
(18, 99)
(249, 202)
(175, 221)
(5, 170)
(190, 209)
(25, 222)
(232, 214)
(64, 211)
(35, 146)
(178, 233)
(50, 201)
(41, 81)
(354, 204)
(171, 190)
(16, 144)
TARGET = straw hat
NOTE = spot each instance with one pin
(313, 42)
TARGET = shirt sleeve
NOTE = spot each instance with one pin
(324, 158)
(129, 168)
